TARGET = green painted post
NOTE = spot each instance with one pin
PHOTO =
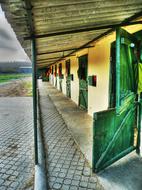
(117, 68)
(34, 87)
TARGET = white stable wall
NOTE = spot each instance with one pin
(99, 65)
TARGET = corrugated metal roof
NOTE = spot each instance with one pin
(73, 20)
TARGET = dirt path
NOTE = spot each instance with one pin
(19, 87)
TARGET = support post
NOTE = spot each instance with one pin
(139, 124)
(34, 87)
(117, 68)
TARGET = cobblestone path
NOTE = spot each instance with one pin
(67, 168)
(16, 143)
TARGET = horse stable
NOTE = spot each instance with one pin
(91, 51)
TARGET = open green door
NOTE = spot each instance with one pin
(60, 76)
(68, 79)
(55, 74)
(83, 83)
(116, 130)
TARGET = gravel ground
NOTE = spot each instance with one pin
(18, 87)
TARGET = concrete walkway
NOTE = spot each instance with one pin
(16, 143)
(67, 168)
(125, 174)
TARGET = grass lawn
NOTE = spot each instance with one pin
(28, 87)
(8, 77)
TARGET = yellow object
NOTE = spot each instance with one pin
(140, 79)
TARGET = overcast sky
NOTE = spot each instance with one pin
(10, 48)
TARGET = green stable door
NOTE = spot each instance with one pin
(68, 79)
(55, 74)
(60, 76)
(83, 83)
(116, 130)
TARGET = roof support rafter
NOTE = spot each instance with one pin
(45, 62)
(51, 58)
(58, 51)
(82, 30)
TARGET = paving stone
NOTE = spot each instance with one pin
(75, 182)
(80, 163)
(72, 167)
(92, 185)
(51, 183)
(93, 179)
(66, 166)
(5, 176)
(63, 170)
(56, 170)
(67, 181)
(51, 179)
(10, 166)
(59, 180)
(1, 181)
(55, 174)
(62, 175)
(69, 176)
(12, 178)
(57, 186)
(9, 172)
(3, 188)
(86, 171)
(77, 177)
(83, 184)
(65, 187)
(59, 165)
(82, 188)
(2, 165)
(7, 183)
(85, 178)
(16, 131)
(14, 184)
(78, 172)
(73, 187)
(80, 168)
(74, 163)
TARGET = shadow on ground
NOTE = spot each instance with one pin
(125, 174)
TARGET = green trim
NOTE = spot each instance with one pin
(34, 83)
(122, 154)
(117, 68)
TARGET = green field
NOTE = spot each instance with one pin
(8, 77)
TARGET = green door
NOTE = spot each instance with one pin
(116, 130)
(68, 79)
(83, 83)
(55, 75)
(60, 76)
